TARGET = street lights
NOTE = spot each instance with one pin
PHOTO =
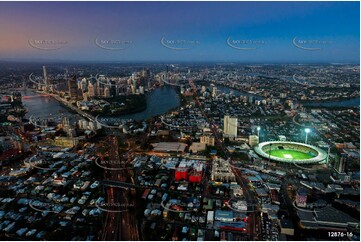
(307, 130)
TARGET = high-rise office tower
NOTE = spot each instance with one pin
(145, 73)
(45, 77)
(106, 92)
(230, 126)
(134, 85)
(83, 84)
(24, 84)
(91, 90)
(112, 88)
(73, 88)
(101, 81)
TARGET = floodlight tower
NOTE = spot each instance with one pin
(258, 129)
(307, 130)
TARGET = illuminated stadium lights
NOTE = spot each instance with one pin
(307, 130)
(258, 129)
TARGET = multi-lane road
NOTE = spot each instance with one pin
(120, 224)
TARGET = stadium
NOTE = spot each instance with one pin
(291, 152)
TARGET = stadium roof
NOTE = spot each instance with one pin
(321, 155)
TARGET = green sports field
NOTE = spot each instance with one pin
(290, 154)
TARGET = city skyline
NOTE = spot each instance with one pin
(180, 121)
(242, 32)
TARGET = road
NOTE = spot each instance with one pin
(119, 225)
(253, 220)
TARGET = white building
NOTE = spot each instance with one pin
(230, 127)
(253, 140)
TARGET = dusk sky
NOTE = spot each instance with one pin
(262, 32)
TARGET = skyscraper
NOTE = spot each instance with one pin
(230, 127)
(45, 79)
(101, 81)
(83, 84)
(73, 88)
(106, 92)
(91, 90)
(112, 88)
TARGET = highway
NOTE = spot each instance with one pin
(119, 225)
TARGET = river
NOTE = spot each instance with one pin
(40, 105)
(352, 102)
(159, 101)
